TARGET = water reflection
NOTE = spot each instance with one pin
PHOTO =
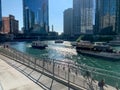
(66, 52)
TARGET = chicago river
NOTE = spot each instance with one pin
(66, 52)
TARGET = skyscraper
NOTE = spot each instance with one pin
(76, 17)
(68, 22)
(118, 17)
(35, 16)
(87, 16)
(82, 16)
(0, 16)
(105, 16)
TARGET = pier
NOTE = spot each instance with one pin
(59, 74)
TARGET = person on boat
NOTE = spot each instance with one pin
(101, 84)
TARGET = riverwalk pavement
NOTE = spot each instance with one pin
(11, 79)
(42, 78)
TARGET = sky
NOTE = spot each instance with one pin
(56, 9)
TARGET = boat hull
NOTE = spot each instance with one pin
(114, 43)
(59, 41)
(99, 55)
(39, 47)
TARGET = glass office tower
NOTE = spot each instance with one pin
(118, 17)
(0, 16)
(35, 16)
(76, 17)
(87, 18)
(82, 16)
(105, 16)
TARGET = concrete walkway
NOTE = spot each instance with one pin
(11, 79)
(45, 80)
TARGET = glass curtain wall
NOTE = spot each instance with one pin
(83, 16)
(118, 17)
(105, 16)
(35, 16)
(87, 11)
(0, 16)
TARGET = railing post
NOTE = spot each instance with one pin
(29, 62)
(53, 67)
(58, 69)
(35, 63)
(73, 78)
(43, 64)
(16, 56)
(68, 77)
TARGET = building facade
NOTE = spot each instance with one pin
(83, 16)
(0, 15)
(87, 16)
(118, 17)
(105, 16)
(10, 25)
(68, 22)
(76, 17)
(35, 16)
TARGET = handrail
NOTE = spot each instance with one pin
(69, 67)
(74, 64)
(1, 88)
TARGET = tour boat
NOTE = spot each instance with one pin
(59, 41)
(73, 43)
(99, 51)
(114, 43)
(39, 45)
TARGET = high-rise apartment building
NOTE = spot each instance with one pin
(10, 25)
(118, 17)
(83, 16)
(87, 17)
(68, 22)
(0, 16)
(76, 17)
(105, 16)
(35, 16)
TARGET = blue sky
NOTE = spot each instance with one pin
(56, 9)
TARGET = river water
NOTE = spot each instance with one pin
(66, 52)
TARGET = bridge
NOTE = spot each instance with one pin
(73, 76)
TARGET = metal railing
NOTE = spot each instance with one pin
(1, 88)
(71, 74)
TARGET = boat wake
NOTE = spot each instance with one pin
(28, 45)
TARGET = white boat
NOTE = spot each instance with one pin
(39, 45)
(100, 51)
(59, 41)
(73, 43)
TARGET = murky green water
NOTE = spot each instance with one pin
(66, 52)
